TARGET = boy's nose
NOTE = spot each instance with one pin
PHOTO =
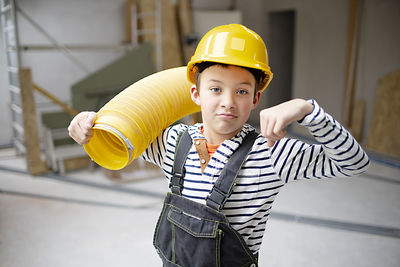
(228, 101)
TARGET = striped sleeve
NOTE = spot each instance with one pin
(161, 151)
(335, 154)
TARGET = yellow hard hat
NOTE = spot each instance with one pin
(232, 44)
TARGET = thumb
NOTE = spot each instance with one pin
(90, 119)
(270, 143)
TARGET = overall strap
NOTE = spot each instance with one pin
(224, 185)
(183, 145)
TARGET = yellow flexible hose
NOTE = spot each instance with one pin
(129, 122)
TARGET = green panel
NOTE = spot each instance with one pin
(98, 88)
(92, 92)
(56, 120)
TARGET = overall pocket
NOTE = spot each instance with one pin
(184, 239)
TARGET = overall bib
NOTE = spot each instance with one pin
(190, 234)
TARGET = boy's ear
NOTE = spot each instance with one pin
(256, 99)
(195, 95)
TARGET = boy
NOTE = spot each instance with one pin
(230, 70)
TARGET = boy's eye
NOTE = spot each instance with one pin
(242, 92)
(215, 89)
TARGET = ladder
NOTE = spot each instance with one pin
(11, 45)
(134, 33)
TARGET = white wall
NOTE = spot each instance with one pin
(320, 49)
(69, 22)
(379, 49)
(320, 44)
(211, 4)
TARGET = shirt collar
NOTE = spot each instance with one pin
(234, 142)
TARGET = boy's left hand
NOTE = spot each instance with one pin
(274, 120)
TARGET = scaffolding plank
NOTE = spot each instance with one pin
(171, 51)
(31, 135)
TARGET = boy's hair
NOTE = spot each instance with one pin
(258, 74)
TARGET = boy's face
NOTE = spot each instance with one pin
(226, 96)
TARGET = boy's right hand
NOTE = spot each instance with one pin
(274, 120)
(80, 128)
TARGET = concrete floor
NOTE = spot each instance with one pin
(86, 219)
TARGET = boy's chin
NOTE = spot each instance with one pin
(228, 132)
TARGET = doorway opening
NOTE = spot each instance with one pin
(281, 56)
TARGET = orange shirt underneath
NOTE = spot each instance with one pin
(210, 147)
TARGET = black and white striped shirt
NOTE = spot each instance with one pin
(266, 170)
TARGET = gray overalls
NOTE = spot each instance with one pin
(190, 234)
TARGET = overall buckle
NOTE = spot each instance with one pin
(176, 183)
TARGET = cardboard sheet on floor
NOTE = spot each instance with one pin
(384, 130)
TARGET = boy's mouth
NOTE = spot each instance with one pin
(227, 115)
